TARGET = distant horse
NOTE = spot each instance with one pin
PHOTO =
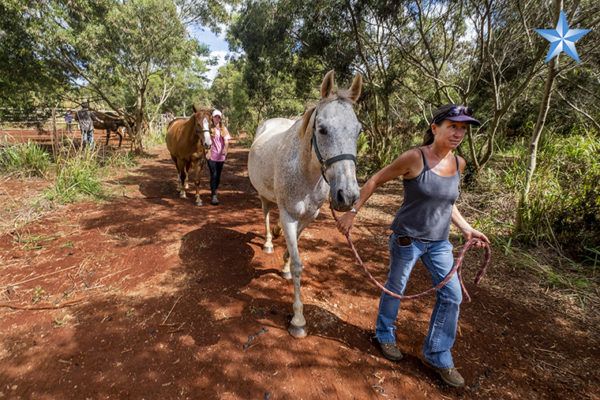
(187, 140)
(296, 164)
(109, 121)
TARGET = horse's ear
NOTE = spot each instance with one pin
(327, 85)
(356, 88)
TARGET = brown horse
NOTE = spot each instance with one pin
(109, 121)
(187, 141)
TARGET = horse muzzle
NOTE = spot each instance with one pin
(343, 199)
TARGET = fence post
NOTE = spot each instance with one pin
(54, 134)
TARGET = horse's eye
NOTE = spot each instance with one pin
(323, 131)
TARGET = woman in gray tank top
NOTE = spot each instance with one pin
(431, 178)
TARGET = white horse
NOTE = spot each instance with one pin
(296, 164)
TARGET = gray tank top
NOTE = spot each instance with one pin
(427, 208)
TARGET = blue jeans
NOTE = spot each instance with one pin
(438, 259)
(87, 138)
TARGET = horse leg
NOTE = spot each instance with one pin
(290, 230)
(268, 246)
(120, 136)
(285, 271)
(197, 173)
(187, 169)
(107, 136)
(182, 178)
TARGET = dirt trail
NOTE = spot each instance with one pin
(166, 300)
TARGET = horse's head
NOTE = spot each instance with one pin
(202, 117)
(335, 129)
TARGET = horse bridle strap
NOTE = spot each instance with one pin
(326, 163)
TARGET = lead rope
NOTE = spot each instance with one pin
(455, 269)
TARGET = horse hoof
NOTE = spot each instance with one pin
(182, 195)
(287, 275)
(186, 186)
(297, 331)
(199, 203)
(268, 249)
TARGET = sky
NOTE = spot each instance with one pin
(218, 46)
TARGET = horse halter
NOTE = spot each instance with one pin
(326, 163)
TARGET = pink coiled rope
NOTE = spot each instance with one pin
(455, 269)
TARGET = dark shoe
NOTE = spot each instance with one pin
(390, 351)
(214, 200)
(450, 376)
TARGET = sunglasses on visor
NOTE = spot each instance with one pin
(453, 112)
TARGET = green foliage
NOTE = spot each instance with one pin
(155, 138)
(27, 81)
(76, 177)
(118, 160)
(27, 159)
(188, 87)
(228, 93)
(130, 56)
(564, 208)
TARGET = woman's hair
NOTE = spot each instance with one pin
(428, 136)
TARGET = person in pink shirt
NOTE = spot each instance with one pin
(218, 152)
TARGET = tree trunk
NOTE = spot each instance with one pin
(523, 205)
(54, 134)
(137, 144)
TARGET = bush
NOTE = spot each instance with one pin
(76, 177)
(27, 159)
(564, 205)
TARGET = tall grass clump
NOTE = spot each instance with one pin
(155, 137)
(24, 159)
(77, 176)
(118, 160)
(564, 202)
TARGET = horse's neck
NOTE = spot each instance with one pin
(190, 126)
(309, 167)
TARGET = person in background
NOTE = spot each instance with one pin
(431, 180)
(69, 121)
(218, 153)
(86, 125)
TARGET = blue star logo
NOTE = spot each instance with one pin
(562, 38)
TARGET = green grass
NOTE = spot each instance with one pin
(25, 160)
(118, 161)
(155, 138)
(76, 177)
(564, 201)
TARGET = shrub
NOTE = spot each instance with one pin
(26, 159)
(76, 177)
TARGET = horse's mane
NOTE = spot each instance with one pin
(176, 119)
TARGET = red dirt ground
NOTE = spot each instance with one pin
(159, 299)
(45, 137)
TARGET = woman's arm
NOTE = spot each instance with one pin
(399, 167)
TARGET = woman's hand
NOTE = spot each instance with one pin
(344, 223)
(471, 233)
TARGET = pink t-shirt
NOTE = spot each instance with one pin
(218, 143)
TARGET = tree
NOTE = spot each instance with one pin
(118, 50)
(27, 81)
